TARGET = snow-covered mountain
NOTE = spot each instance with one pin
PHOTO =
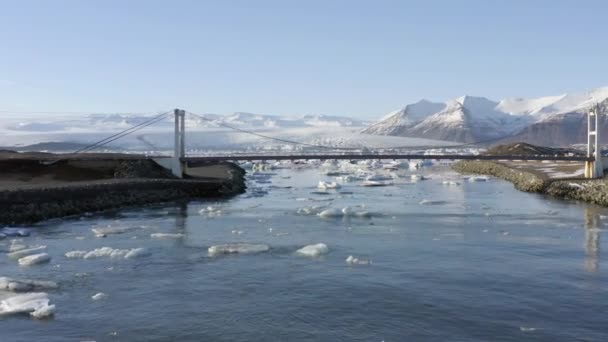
(109, 122)
(555, 119)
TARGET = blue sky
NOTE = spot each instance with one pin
(337, 57)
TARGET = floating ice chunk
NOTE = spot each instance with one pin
(315, 209)
(313, 250)
(347, 211)
(356, 261)
(329, 213)
(104, 231)
(430, 202)
(136, 253)
(99, 296)
(36, 304)
(44, 311)
(451, 183)
(34, 259)
(22, 285)
(211, 211)
(237, 232)
(166, 235)
(16, 247)
(479, 178)
(362, 214)
(107, 252)
(240, 248)
(25, 252)
(75, 254)
(527, 329)
(328, 185)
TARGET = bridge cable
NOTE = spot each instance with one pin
(273, 138)
(123, 133)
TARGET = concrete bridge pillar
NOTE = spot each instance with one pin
(595, 168)
(179, 146)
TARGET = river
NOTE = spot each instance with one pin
(478, 261)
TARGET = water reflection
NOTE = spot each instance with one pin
(592, 239)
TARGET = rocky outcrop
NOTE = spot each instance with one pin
(134, 184)
(524, 181)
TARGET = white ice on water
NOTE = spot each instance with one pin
(109, 230)
(450, 183)
(35, 259)
(240, 248)
(107, 252)
(99, 296)
(328, 185)
(376, 183)
(36, 304)
(25, 252)
(313, 250)
(166, 235)
(23, 285)
(356, 261)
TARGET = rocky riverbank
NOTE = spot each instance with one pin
(587, 190)
(31, 191)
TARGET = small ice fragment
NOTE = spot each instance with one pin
(99, 296)
(347, 211)
(328, 185)
(22, 285)
(237, 232)
(166, 235)
(75, 254)
(313, 250)
(527, 329)
(240, 248)
(356, 261)
(331, 213)
(16, 247)
(36, 304)
(25, 252)
(136, 252)
(34, 259)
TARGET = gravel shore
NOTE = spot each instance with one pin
(587, 190)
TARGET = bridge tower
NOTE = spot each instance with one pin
(594, 169)
(179, 146)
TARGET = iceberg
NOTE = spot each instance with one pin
(36, 304)
(313, 250)
(23, 285)
(239, 248)
(34, 259)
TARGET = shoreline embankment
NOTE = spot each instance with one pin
(31, 191)
(587, 190)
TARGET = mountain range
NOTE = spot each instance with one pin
(552, 120)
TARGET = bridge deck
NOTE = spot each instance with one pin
(261, 157)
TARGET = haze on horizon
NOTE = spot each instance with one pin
(351, 58)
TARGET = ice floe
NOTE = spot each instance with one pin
(432, 202)
(110, 230)
(356, 261)
(99, 296)
(479, 179)
(34, 259)
(24, 285)
(166, 235)
(328, 185)
(312, 210)
(450, 183)
(25, 252)
(36, 304)
(313, 250)
(239, 248)
(107, 252)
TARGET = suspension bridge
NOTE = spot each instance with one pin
(180, 161)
